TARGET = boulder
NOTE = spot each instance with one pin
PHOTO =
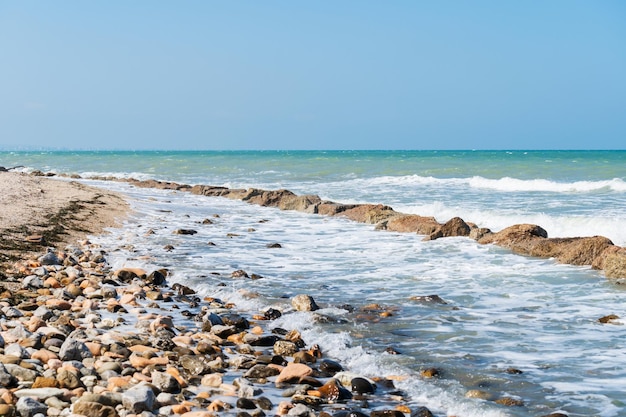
(453, 227)
(304, 203)
(303, 302)
(266, 198)
(614, 263)
(410, 223)
(328, 208)
(369, 213)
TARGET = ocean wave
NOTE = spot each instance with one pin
(505, 184)
(555, 225)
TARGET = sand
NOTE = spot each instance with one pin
(38, 211)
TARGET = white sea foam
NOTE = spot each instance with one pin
(505, 184)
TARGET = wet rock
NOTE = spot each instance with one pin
(453, 227)
(182, 289)
(428, 299)
(430, 373)
(304, 357)
(410, 223)
(304, 302)
(156, 278)
(303, 203)
(362, 386)
(185, 232)
(272, 314)
(334, 391)
(422, 412)
(273, 246)
(194, 364)
(128, 274)
(614, 264)
(246, 404)
(261, 371)
(293, 372)
(285, 348)
(301, 410)
(480, 394)
(608, 319)
(510, 402)
(237, 320)
(240, 273)
(386, 413)
(330, 367)
(368, 213)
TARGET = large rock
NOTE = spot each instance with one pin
(532, 240)
(453, 227)
(328, 208)
(573, 251)
(266, 198)
(614, 263)
(304, 203)
(369, 213)
(410, 223)
(303, 302)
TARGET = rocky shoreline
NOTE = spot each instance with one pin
(524, 239)
(79, 338)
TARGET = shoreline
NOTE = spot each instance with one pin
(122, 342)
(78, 338)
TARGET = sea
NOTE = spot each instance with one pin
(509, 325)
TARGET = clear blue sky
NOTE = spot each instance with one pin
(313, 75)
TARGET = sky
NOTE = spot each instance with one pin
(327, 74)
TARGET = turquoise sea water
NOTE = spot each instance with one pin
(502, 310)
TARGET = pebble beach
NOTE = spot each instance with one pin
(80, 338)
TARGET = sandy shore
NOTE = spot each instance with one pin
(37, 212)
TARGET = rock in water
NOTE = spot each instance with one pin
(303, 302)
